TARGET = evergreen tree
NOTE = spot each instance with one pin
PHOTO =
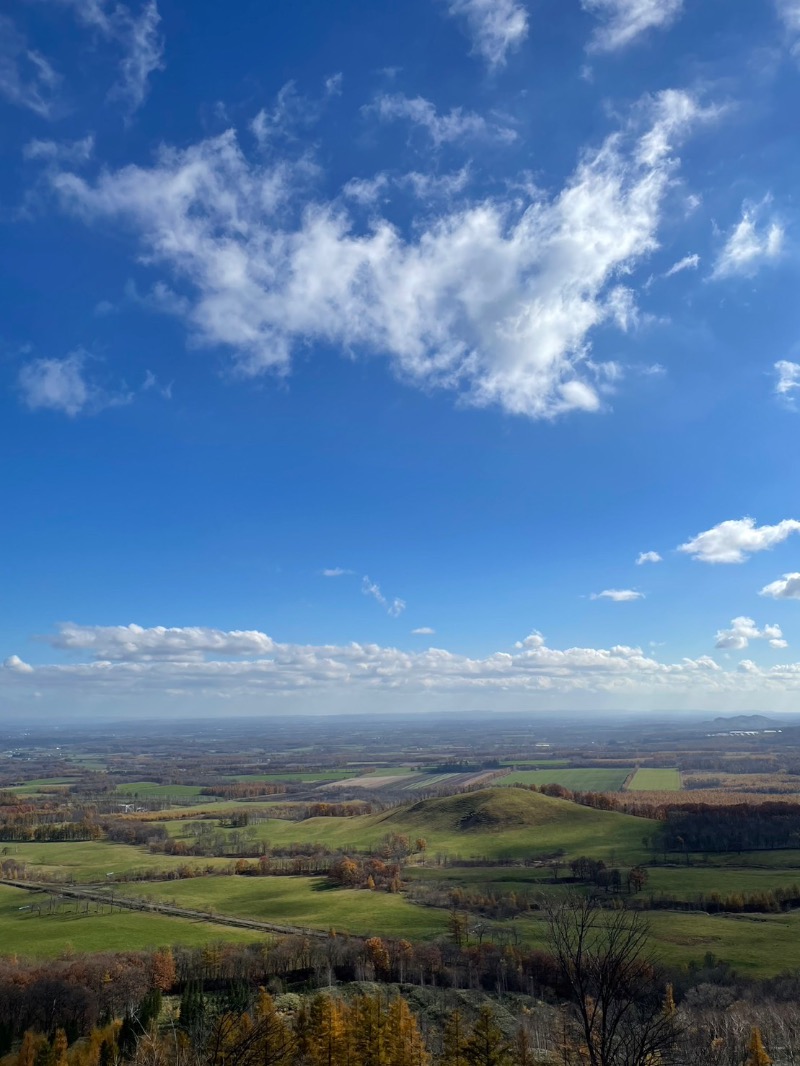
(454, 1040)
(487, 1045)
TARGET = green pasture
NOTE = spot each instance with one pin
(291, 777)
(48, 935)
(582, 780)
(309, 902)
(92, 860)
(493, 823)
(152, 790)
(32, 787)
(687, 883)
(537, 764)
(648, 780)
(758, 945)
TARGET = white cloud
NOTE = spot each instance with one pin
(618, 595)
(749, 245)
(493, 300)
(134, 643)
(789, 14)
(72, 152)
(423, 631)
(786, 588)
(647, 557)
(626, 20)
(788, 380)
(63, 385)
(394, 607)
(26, 77)
(736, 540)
(689, 262)
(17, 666)
(743, 630)
(336, 571)
(455, 125)
(250, 670)
(136, 35)
(496, 27)
(366, 190)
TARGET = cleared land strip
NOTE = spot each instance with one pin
(127, 903)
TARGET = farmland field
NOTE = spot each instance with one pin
(151, 789)
(93, 860)
(581, 780)
(645, 780)
(292, 777)
(309, 902)
(50, 935)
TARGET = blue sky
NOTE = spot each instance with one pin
(412, 356)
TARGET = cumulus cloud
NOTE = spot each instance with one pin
(689, 262)
(788, 379)
(785, 588)
(495, 300)
(423, 631)
(750, 244)
(134, 643)
(454, 125)
(743, 630)
(394, 607)
(647, 557)
(135, 660)
(496, 27)
(63, 385)
(136, 34)
(26, 77)
(623, 21)
(618, 595)
(736, 540)
(17, 666)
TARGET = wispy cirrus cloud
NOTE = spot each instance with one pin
(750, 244)
(736, 540)
(624, 21)
(448, 128)
(393, 607)
(64, 385)
(496, 27)
(135, 33)
(689, 262)
(27, 79)
(495, 300)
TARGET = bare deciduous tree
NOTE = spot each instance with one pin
(619, 1014)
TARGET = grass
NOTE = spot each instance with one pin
(645, 780)
(582, 780)
(492, 823)
(50, 935)
(687, 883)
(151, 789)
(33, 787)
(305, 901)
(309, 776)
(537, 764)
(89, 860)
(759, 945)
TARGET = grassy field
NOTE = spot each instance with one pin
(392, 771)
(759, 945)
(87, 861)
(49, 935)
(583, 780)
(310, 777)
(655, 781)
(687, 883)
(493, 823)
(34, 787)
(309, 902)
(151, 789)
(537, 764)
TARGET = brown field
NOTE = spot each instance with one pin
(629, 801)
